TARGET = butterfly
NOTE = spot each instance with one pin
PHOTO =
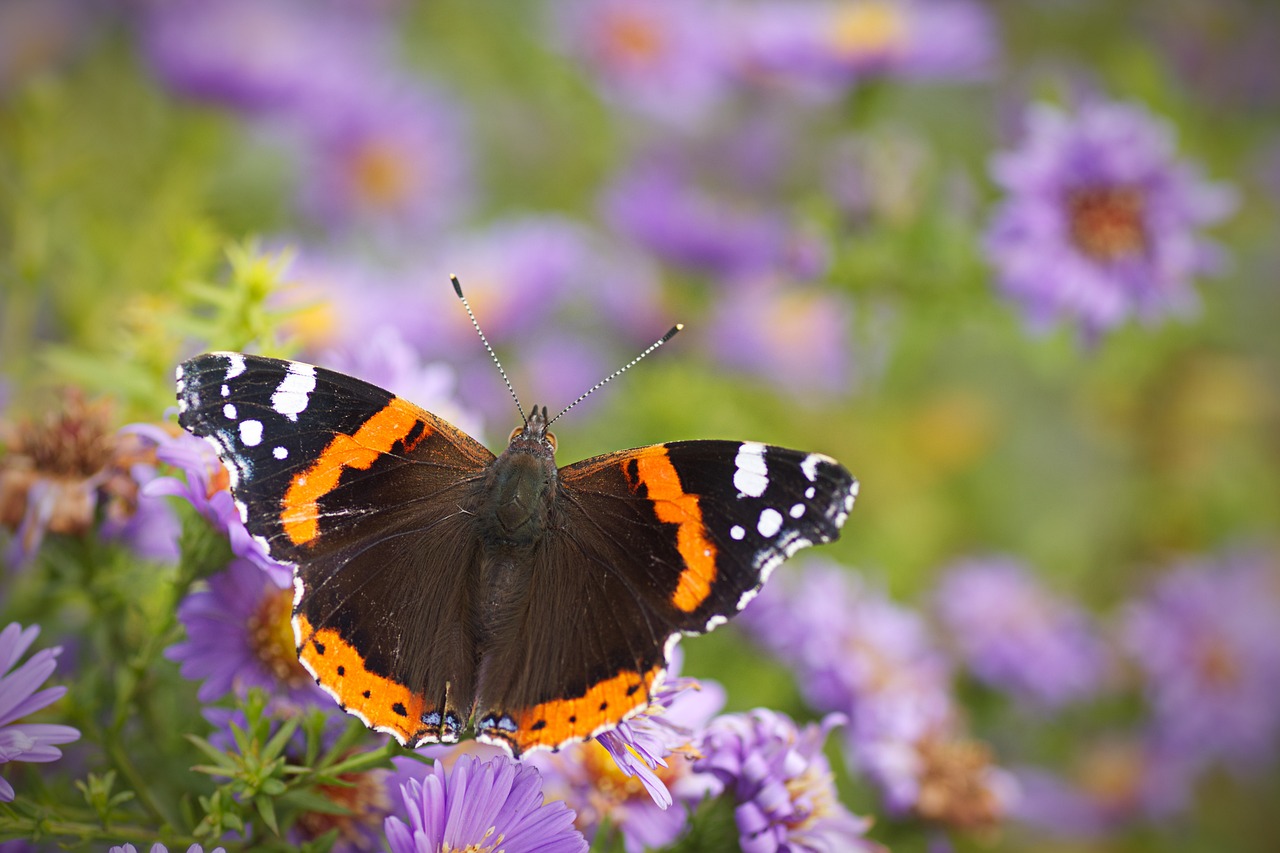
(440, 588)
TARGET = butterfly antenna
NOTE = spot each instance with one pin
(659, 342)
(457, 288)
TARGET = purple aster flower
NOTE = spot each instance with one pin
(797, 338)
(781, 782)
(206, 486)
(659, 204)
(1101, 222)
(383, 152)
(160, 848)
(259, 56)
(833, 44)
(857, 653)
(34, 742)
(631, 776)
(482, 805)
(1111, 783)
(1015, 636)
(664, 59)
(239, 636)
(1207, 641)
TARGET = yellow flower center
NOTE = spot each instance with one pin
(954, 786)
(1107, 222)
(631, 38)
(271, 637)
(868, 28)
(382, 173)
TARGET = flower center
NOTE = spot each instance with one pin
(381, 173)
(609, 780)
(1107, 222)
(869, 28)
(631, 38)
(271, 637)
(953, 786)
(365, 803)
(487, 844)
(813, 795)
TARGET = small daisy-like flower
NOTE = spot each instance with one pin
(34, 742)
(1014, 635)
(239, 636)
(663, 58)
(161, 848)
(482, 807)
(1207, 641)
(1101, 222)
(784, 789)
(839, 42)
(631, 776)
(383, 152)
(206, 486)
(796, 338)
(859, 654)
(55, 475)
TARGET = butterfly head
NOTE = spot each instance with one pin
(532, 436)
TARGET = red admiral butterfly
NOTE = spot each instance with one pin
(440, 588)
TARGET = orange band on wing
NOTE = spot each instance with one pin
(300, 510)
(553, 723)
(336, 664)
(675, 506)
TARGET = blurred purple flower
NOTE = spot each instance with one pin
(32, 742)
(1101, 222)
(1112, 782)
(856, 653)
(479, 805)
(258, 56)
(239, 636)
(658, 204)
(781, 783)
(1207, 640)
(665, 59)
(205, 485)
(631, 776)
(797, 338)
(152, 529)
(383, 153)
(834, 44)
(1015, 636)
(160, 848)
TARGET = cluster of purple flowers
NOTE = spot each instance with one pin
(20, 696)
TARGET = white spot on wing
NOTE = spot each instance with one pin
(251, 433)
(770, 522)
(291, 396)
(226, 391)
(280, 452)
(751, 477)
(229, 410)
(810, 466)
(235, 365)
(737, 532)
(797, 511)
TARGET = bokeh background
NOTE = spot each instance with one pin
(1014, 264)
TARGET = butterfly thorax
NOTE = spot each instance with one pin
(519, 489)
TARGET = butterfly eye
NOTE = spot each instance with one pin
(551, 439)
(515, 432)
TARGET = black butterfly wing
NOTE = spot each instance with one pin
(363, 493)
(645, 545)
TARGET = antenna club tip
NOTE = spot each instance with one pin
(457, 285)
(672, 332)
